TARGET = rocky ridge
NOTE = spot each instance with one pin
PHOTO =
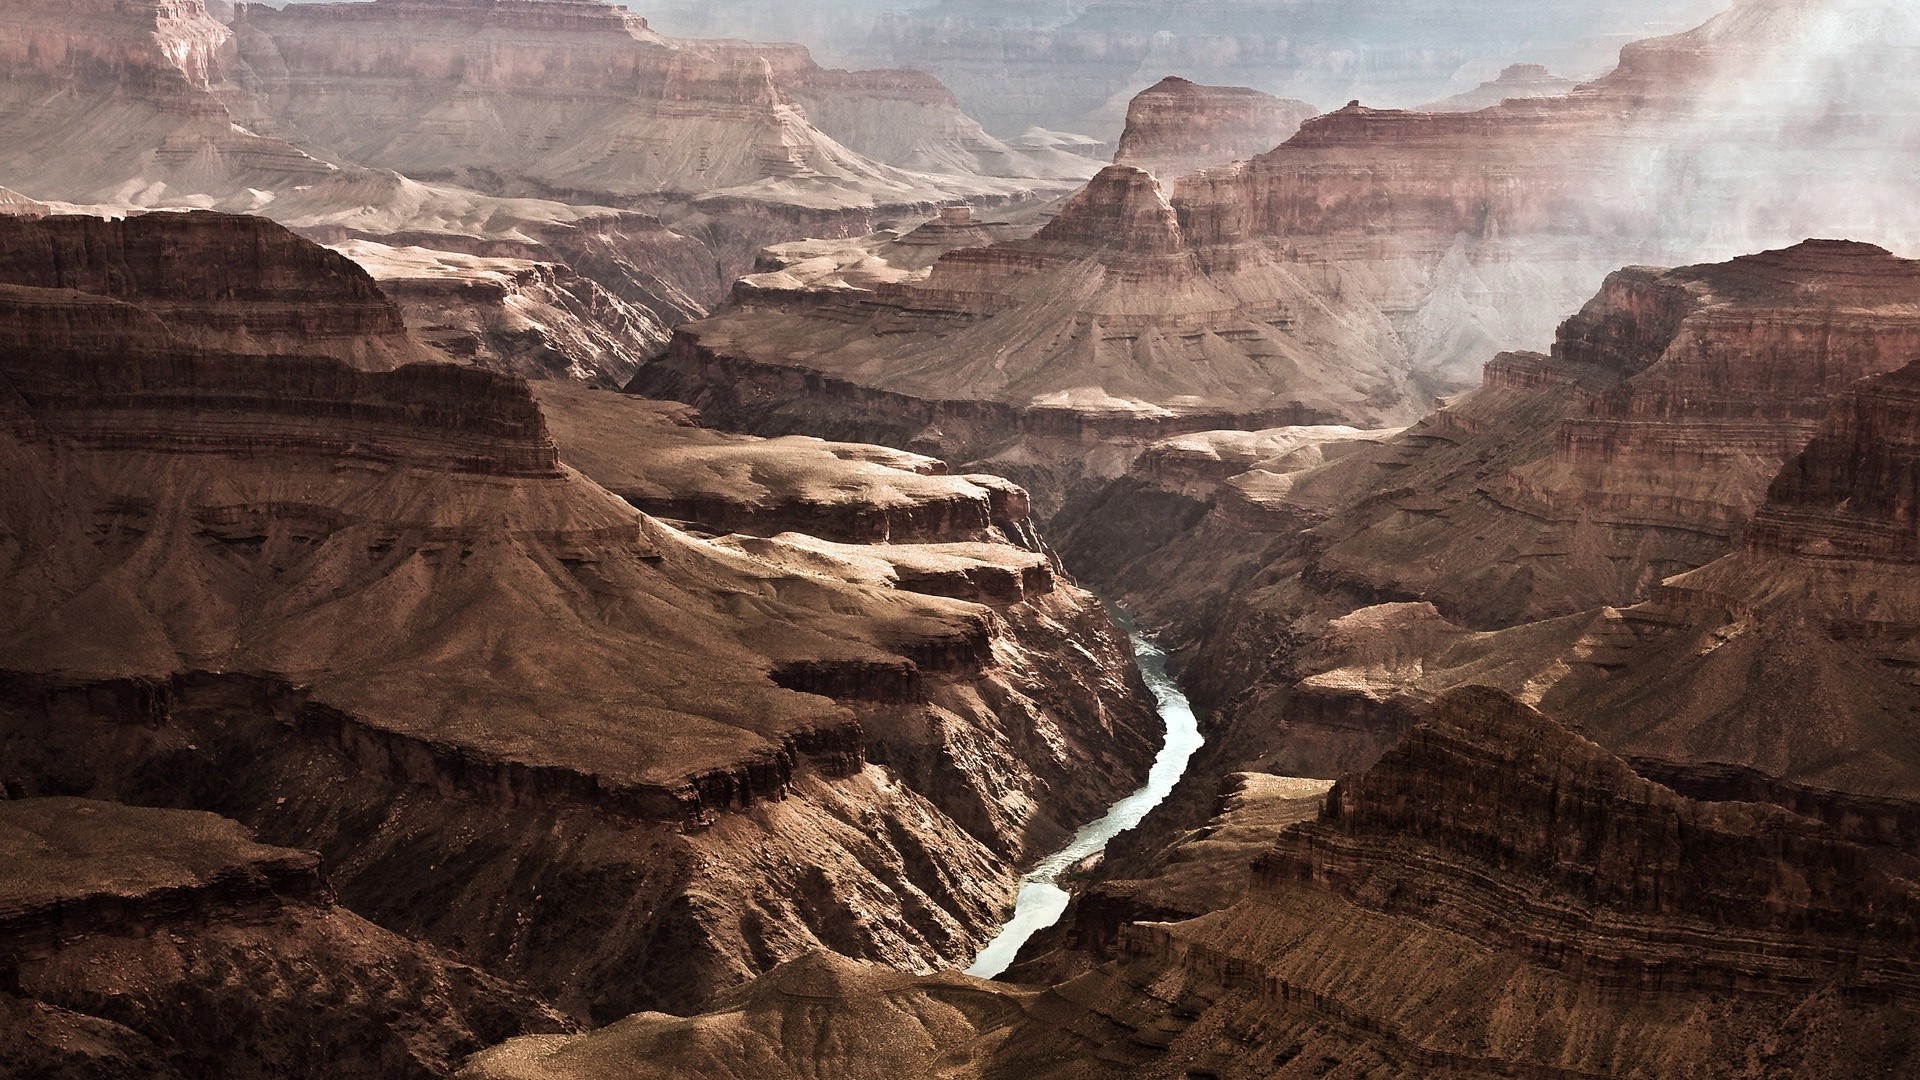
(1496, 896)
(292, 114)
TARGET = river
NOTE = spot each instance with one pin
(1042, 901)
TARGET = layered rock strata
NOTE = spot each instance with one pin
(375, 613)
(1411, 246)
(1176, 126)
(988, 359)
(1528, 534)
(142, 942)
(578, 96)
(1496, 896)
(1072, 66)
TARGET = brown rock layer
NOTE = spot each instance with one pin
(143, 942)
(244, 577)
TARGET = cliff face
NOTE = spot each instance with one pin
(1176, 126)
(161, 76)
(144, 942)
(1512, 863)
(373, 613)
(218, 282)
(519, 131)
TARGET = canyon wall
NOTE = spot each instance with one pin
(376, 613)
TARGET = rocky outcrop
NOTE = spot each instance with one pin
(654, 455)
(168, 943)
(858, 1020)
(1118, 339)
(163, 76)
(229, 284)
(1497, 896)
(541, 320)
(1176, 126)
(1509, 861)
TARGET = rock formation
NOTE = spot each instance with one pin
(167, 943)
(1176, 126)
(528, 131)
(578, 96)
(1497, 896)
(369, 610)
(1409, 245)
(1333, 590)
(1072, 66)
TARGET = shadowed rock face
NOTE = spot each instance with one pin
(143, 942)
(375, 613)
(1176, 126)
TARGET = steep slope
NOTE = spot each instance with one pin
(154, 88)
(142, 942)
(1329, 595)
(371, 612)
(1102, 329)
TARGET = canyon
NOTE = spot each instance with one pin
(548, 540)
(624, 178)
(570, 743)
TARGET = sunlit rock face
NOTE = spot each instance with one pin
(577, 96)
(1410, 246)
(529, 132)
(1176, 126)
(1677, 532)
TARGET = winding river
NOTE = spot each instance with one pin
(1042, 901)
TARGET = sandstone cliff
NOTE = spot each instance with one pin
(1411, 246)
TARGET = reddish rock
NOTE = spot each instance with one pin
(1177, 126)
